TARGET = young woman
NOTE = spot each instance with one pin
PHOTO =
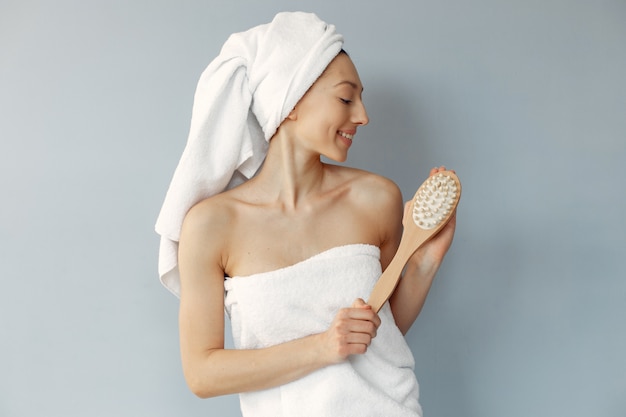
(301, 244)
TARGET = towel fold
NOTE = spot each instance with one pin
(241, 99)
(290, 303)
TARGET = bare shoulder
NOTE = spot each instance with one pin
(370, 189)
(214, 212)
(376, 203)
(205, 229)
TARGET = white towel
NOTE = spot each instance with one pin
(290, 303)
(241, 99)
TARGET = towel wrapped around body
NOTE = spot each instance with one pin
(293, 302)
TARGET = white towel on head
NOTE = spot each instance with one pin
(241, 99)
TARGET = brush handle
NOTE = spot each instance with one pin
(389, 279)
(432, 207)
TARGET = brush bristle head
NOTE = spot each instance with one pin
(434, 201)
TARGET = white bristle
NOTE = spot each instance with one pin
(434, 200)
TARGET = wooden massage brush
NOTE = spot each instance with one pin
(432, 207)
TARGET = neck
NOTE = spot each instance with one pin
(290, 174)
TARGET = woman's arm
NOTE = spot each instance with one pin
(211, 370)
(410, 294)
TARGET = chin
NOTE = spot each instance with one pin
(337, 158)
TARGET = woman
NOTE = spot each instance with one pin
(302, 243)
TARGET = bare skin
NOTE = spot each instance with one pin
(296, 207)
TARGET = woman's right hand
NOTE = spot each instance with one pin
(351, 332)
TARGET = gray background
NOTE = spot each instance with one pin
(525, 99)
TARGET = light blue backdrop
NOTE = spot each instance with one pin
(525, 99)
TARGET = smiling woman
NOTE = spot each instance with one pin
(526, 316)
(293, 227)
(332, 108)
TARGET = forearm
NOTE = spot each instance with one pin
(228, 371)
(410, 294)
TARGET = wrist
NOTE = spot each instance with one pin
(319, 353)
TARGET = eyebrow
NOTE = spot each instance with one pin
(349, 83)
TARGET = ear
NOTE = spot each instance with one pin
(293, 115)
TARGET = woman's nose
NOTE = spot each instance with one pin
(360, 116)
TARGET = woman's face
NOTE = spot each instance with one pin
(327, 116)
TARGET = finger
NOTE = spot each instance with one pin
(365, 314)
(356, 349)
(357, 319)
(361, 314)
(359, 339)
(441, 168)
(366, 327)
(359, 303)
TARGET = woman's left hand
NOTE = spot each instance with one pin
(431, 254)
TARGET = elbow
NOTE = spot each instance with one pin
(201, 392)
(203, 377)
(202, 388)
(200, 383)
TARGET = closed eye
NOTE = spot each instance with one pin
(345, 100)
